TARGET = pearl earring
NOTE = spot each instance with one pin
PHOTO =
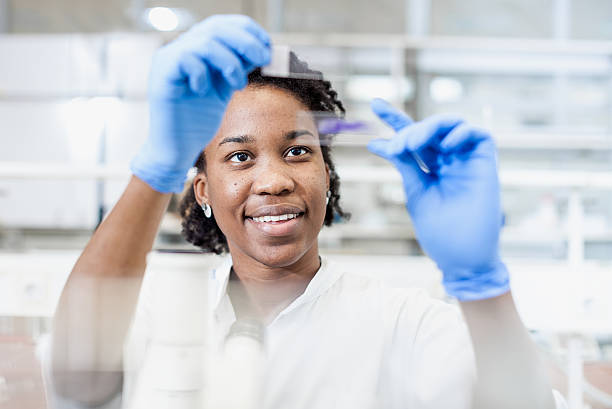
(327, 196)
(207, 210)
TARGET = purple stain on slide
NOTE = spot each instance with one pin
(334, 126)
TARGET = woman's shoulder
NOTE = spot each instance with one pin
(400, 302)
(404, 318)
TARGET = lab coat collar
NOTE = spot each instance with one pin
(324, 278)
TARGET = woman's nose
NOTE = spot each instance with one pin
(273, 179)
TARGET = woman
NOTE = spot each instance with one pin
(265, 186)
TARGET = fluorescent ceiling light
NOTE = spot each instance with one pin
(163, 19)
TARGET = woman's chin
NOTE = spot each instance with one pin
(281, 255)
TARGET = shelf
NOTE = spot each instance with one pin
(508, 178)
(509, 235)
(519, 140)
(497, 45)
(61, 171)
(552, 140)
(469, 55)
(519, 178)
(359, 40)
(354, 231)
(512, 235)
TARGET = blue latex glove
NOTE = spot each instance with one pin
(191, 82)
(455, 208)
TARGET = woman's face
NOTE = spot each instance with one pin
(265, 178)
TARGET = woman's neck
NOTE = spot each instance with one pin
(262, 292)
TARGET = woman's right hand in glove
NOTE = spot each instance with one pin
(191, 82)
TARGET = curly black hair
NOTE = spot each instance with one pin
(315, 93)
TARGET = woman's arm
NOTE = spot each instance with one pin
(511, 372)
(96, 306)
(191, 82)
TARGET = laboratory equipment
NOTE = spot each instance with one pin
(328, 125)
(280, 65)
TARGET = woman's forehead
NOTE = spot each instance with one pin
(266, 100)
(264, 110)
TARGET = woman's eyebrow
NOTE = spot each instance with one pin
(249, 139)
(237, 139)
(294, 134)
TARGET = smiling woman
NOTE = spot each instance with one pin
(265, 186)
(282, 98)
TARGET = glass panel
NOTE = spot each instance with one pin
(360, 16)
(507, 18)
(592, 19)
(576, 113)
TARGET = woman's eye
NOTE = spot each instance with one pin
(240, 157)
(297, 151)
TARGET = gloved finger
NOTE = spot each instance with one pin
(392, 116)
(197, 73)
(222, 59)
(250, 25)
(223, 89)
(426, 133)
(412, 175)
(462, 138)
(380, 147)
(485, 149)
(247, 46)
(388, 148)
(220, 21)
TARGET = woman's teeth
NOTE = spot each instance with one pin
(275, 218)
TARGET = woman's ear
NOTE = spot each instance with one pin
(327, 176)
(200, 188)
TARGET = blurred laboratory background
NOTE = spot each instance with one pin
(536, 73)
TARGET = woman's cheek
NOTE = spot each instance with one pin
(236, 188)
(317, 191)
(230, 194)
(232, 189)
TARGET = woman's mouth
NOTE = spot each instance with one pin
(279, 218)
(276, 225)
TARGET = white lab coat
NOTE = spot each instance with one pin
(347, 342)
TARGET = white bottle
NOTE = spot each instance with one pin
(173, 369)
(237, 381)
